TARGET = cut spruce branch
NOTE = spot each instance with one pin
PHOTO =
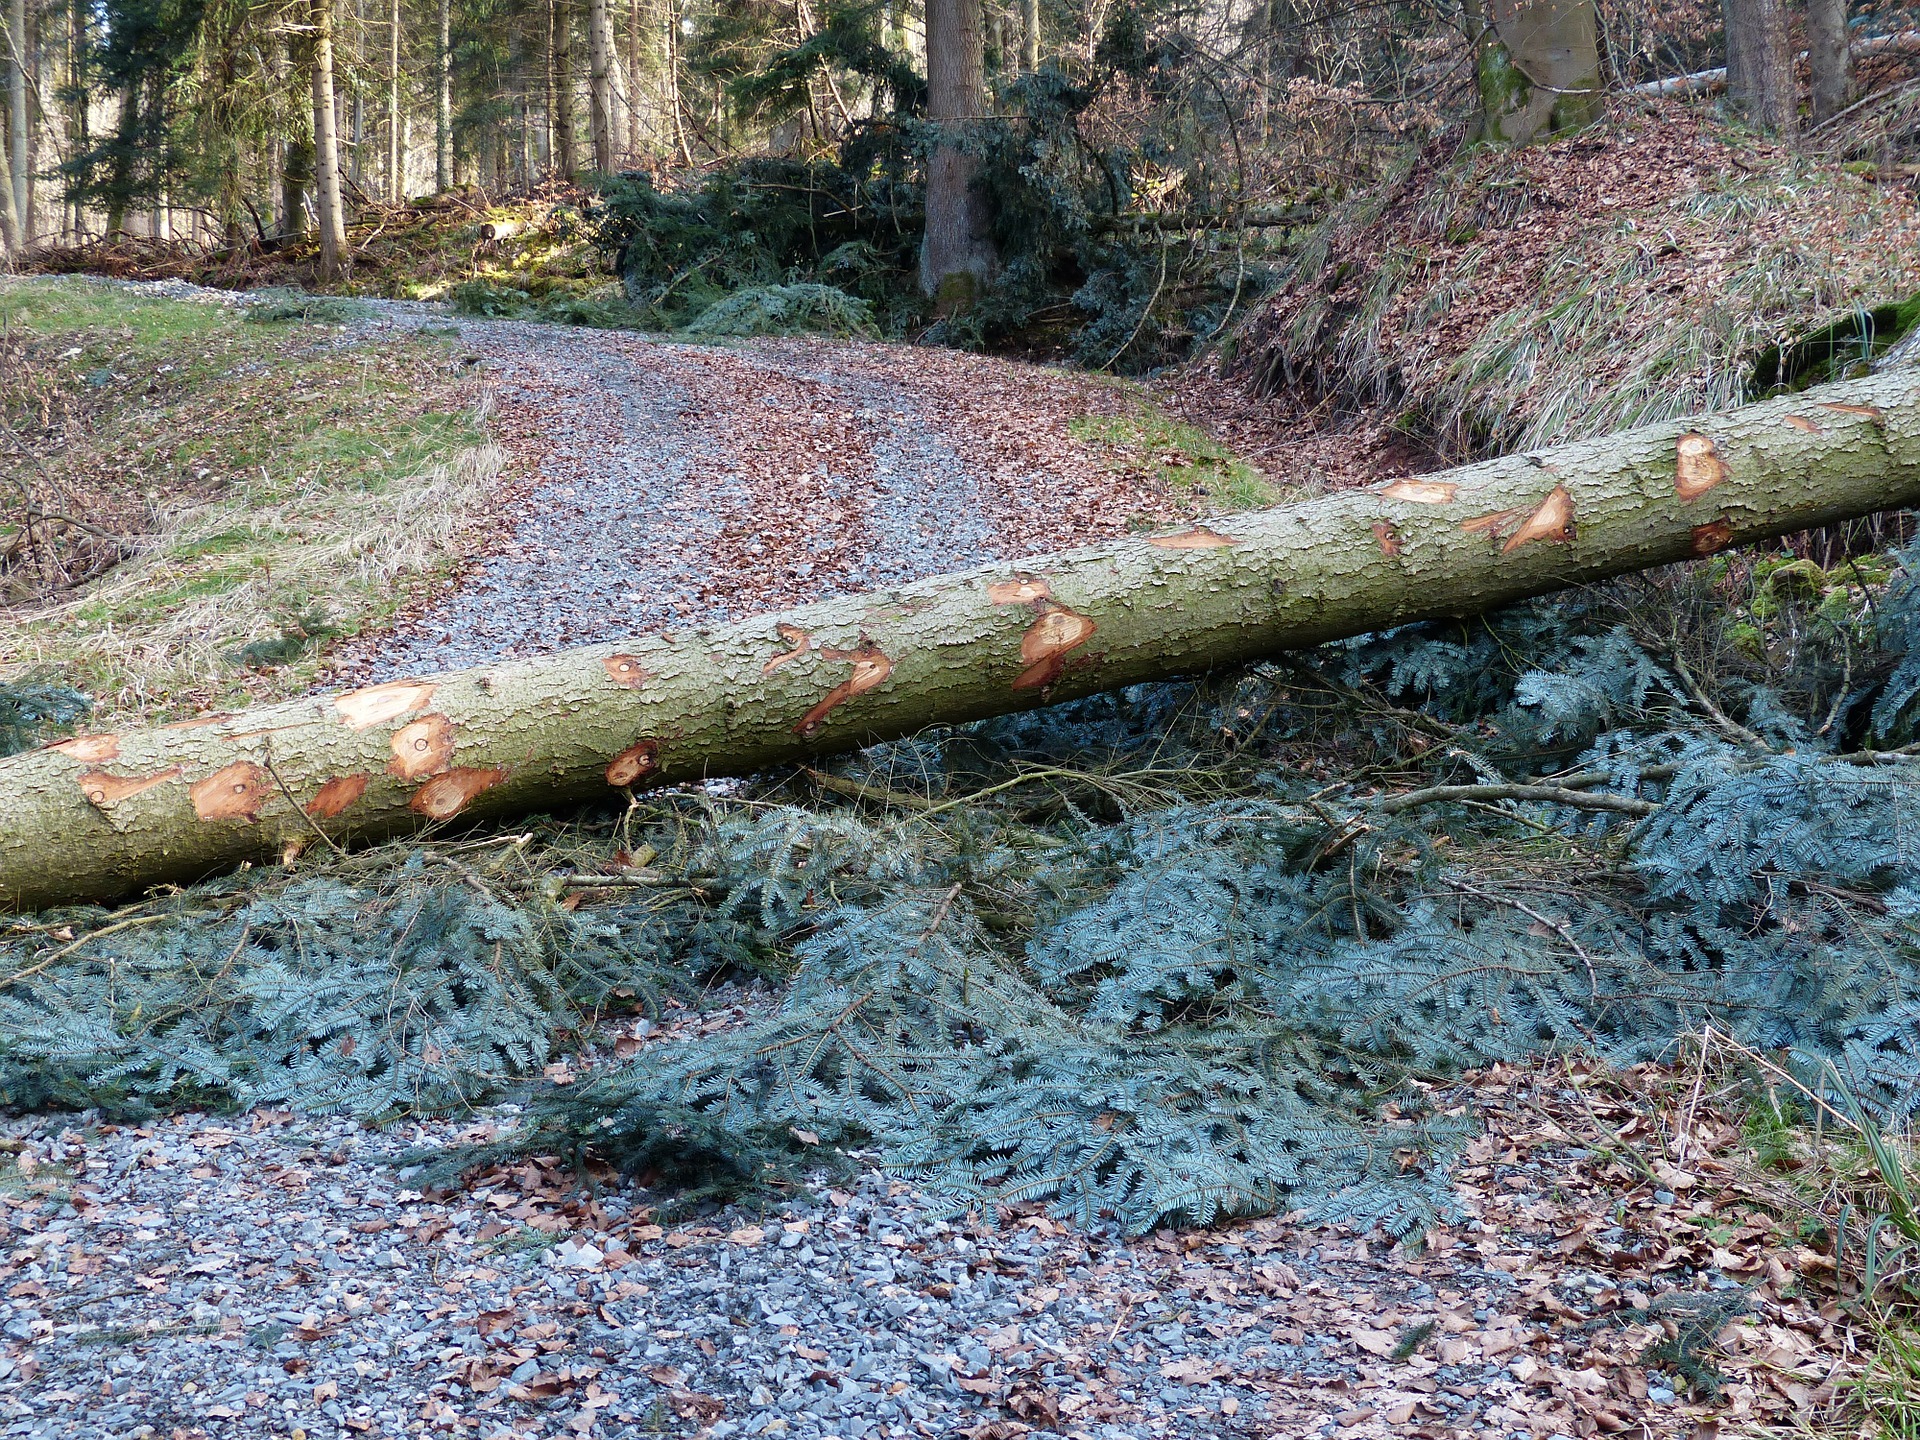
(1554, 794)
(102, 815)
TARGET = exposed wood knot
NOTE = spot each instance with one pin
(1801, 422)
(634, 764)
(1021, 590)
(336, 795)
(103, 789)
(1713, 536)
(1388, 537)
(93, 749)
(1043, 649)
(422, 748)
(1865, 412)
(1697, 466)
(870, 667)
(799, 642)
(1422, 492)
(363, 709)
(1197, 537)
(445, 796)
(625, 671)
(234, 792)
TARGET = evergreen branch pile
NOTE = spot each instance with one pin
(1159, 955)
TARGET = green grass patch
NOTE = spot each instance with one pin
(280, 492)
(1184, 458)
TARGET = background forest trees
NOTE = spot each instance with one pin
(1028, 153)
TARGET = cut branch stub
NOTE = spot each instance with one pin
(798, 643)
(336, 795)
(232, 793)
(870, 667)
(1712, 537)
(421, 748)
(102, 788)
(1388, 537)
(1697, 465)
(1198, 537)
(92, 749)
(1552, 522)
(363, 709)
(1422, 492)
(625, 671)
(1021, 590)
(445, 796)
(634, 764)
(1043, 649)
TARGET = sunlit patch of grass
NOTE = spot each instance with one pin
(1184, 458)
(277, 477)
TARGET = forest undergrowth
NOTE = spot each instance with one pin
(1190, 951)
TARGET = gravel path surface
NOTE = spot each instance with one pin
(659, 484)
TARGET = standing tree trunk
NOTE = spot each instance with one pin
(9, 237)
(330, 218)
(1828, 57)
(636, 54)
(1030, 35)
(80, 100)
(100, 815)
(566, 147)
(957, 257)
(1536, 66)
(600, 84)
(19, 122)
(443, 101)
(396, 174)
(1760, 64)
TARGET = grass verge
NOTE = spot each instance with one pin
(1187, 461)
(276, 484)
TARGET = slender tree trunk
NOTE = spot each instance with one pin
(330, 216)
(443, 101)
(552, 157)
(635, 56)
(396, 175)
(9, 236)
(79, 125)
(566, 145)
(1760, 64)
(600, 84)
(1828, 57)
(19, 120)
(1029, 35)
(97, 816)
(671, 9)
(957, 257)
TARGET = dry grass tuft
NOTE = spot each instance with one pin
(1507, 299)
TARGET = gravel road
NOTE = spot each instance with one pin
(657, 484)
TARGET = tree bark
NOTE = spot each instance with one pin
(566, 143)
(635, 54)
(600, 84)
(443, 101)
(1029, 35)
(957, 257)
(329, 217)
(1760, 63)
(99, 816)
(1828, 57)
(1537, 68)
(396, 173)
(19, 122)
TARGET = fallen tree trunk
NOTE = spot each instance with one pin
(102, 815)
(1712, 82)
